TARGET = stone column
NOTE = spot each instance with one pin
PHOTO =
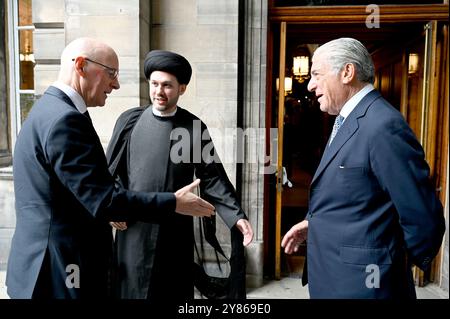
(254, 119)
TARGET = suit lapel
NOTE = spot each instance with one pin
(60, 95)
(346, 131)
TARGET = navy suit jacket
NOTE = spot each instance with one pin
(65, 197)
(373, 210)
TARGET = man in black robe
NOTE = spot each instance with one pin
(160, 148)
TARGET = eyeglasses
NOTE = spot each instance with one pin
(113, 73)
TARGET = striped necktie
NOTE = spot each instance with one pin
(337, 125)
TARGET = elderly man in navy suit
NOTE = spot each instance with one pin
(65, 195)
(373, 211)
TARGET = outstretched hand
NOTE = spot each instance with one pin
(294, 237)
(246, 229)
(190, 204)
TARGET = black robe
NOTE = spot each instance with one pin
(155, 260)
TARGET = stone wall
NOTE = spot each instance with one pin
(254, 115)
(117, 23)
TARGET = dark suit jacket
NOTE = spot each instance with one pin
(373, 210)
(64, 199)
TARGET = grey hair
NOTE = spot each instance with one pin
(341, 51)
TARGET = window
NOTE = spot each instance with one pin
(17, 62)
(5, 149)
(25, 29)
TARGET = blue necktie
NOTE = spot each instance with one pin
(337, 125)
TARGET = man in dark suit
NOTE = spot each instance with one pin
(373, 211)
(65, 196)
